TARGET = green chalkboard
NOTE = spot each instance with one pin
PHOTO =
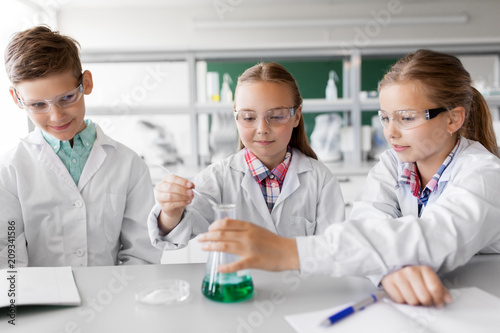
(372, 71)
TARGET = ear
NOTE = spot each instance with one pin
(14, 97)
(88, 84)
(456, 119)
(297, 116)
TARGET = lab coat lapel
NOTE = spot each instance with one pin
(255, 194)
(95, 160)
(291, 183)
(50, 159)
(409, 203)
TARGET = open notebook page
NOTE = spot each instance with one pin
(39, 286)
(472, 310)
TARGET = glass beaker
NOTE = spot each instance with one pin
(225, 287)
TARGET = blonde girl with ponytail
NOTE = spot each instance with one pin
(274, 179)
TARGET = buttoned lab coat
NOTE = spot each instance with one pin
(385, 233)
(99, 222)
(310, 200)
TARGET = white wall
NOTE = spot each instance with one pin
(165, 25)
(14, 124)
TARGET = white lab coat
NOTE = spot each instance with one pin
(310, 200)
(384, 232)
(99, 222)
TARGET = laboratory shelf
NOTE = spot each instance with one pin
(309, 105)
(214, 107)
(353, 105)
(119, 111)
(369, 104)
(493, 101)
(322, 105)
(342, 168)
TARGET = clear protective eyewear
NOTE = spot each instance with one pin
(43, 105)
(408, 119)
(274, 118)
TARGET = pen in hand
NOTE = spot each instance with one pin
(353, 308)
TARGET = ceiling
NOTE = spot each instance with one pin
(177, 3)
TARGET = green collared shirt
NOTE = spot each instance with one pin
(74, 158)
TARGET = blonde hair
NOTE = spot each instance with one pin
(274, 72)
(446, 83)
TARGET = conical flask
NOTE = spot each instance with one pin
(225, 287)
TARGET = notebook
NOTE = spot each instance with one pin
(472, 310)
(38, 286)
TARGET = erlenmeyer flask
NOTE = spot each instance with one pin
(225, 287)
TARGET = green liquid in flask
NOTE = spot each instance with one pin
(228, 288)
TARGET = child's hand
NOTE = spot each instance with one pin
(416, 285)
(173, 193)
(257, 247)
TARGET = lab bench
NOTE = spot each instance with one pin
(108, 296)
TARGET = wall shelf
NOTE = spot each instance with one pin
(493, 100)
(111, 111)
(322, 105)
(351, 85)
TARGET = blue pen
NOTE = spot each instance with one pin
(353, 308)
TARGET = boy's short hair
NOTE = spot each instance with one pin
(40, 52)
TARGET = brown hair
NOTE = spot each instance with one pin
(446, 83)
(274, 72)
(39, 52)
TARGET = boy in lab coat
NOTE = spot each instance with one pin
(69, 194)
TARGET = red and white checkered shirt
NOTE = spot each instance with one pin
(270, 182)
(410, 176)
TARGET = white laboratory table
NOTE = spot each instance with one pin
(109, 304)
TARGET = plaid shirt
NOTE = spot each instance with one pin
(270, 182)
(410, 176)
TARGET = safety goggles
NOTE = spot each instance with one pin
(43, 105)
(274, 118)
(408, 119)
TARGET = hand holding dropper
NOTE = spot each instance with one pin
(203, 195)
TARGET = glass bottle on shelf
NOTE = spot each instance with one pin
(225, 287)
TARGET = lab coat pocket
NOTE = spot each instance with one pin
(114, 208)
(300, 226)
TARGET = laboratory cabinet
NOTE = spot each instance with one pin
(350, 186)
(171, 89)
